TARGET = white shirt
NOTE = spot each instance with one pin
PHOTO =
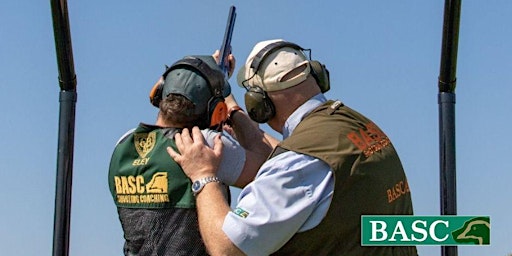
(233, 156)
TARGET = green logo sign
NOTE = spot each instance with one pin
(396, 230)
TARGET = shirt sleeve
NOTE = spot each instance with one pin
(233, 156)
(290, 194)
(125, 135)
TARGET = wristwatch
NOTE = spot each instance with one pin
(199, 184)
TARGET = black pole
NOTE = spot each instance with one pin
(446, 100)
(68, 95)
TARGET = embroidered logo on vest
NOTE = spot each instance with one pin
(144, 143)
(133, 190)
(370, 140)
(399, 189)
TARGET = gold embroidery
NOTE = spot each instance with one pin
(144, 143)
(133, 189)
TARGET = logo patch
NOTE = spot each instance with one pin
(369, 140)
(134, 190)
(158, 183)
(144, 143)
(241, 212)
(474, 231)
(398, 230)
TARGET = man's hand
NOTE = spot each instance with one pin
(231, 61)
(195, 158)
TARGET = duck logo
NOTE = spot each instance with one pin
(475, 231)
(158, 183)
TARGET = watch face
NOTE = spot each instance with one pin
(196, 185)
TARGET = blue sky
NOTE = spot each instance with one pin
(383, 58)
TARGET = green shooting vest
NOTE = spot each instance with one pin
(369, 180)
(143, 175)
(153, 196)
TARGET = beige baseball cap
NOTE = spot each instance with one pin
(273, 67)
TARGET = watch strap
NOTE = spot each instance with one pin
(203, 182)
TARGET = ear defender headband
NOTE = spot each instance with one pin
(217, 109)
(259, 106)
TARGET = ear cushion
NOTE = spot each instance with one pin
(218, 112)
(155, 95)
(259, 107)
(321, 75)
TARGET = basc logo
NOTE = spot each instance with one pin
(397, 230)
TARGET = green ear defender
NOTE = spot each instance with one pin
(321, 75)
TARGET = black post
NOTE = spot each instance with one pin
(68, 95)
(446, 100)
